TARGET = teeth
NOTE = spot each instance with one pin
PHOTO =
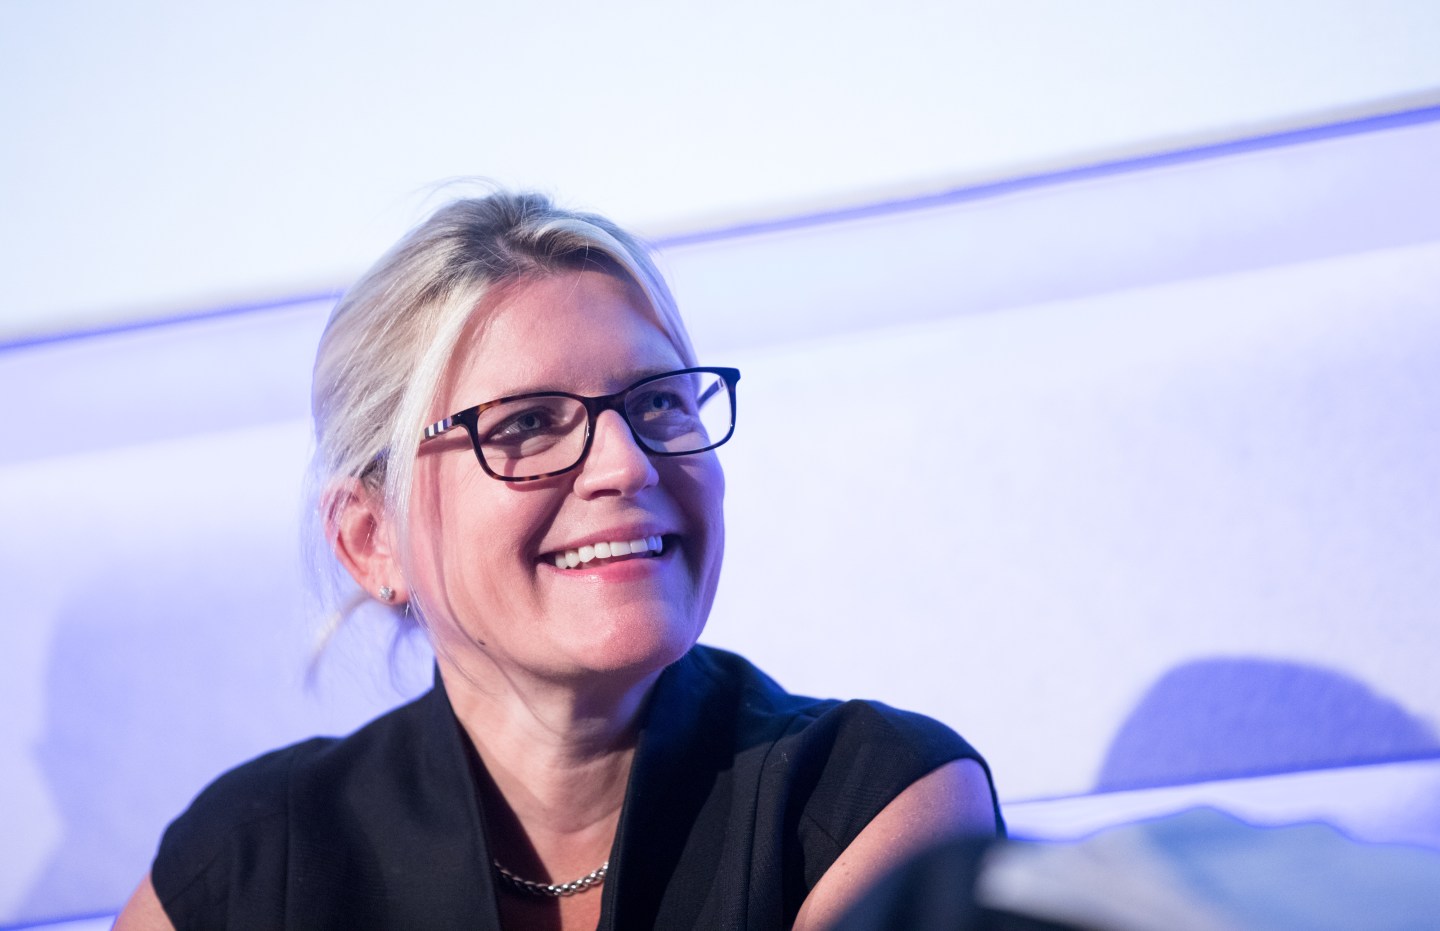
(569, 559)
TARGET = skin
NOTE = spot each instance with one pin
(508, 617)
(557, 663)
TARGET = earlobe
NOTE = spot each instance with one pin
(359, 532)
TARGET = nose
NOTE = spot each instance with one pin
(615, 465)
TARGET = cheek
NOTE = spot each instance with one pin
(427, 548)
(424, 524)
(700, 488)
(707, 510)
(465, 539)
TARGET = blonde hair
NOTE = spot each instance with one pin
(392, 338)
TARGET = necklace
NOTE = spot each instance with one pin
(554, 890)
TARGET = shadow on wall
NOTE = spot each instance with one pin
(105, 715)
(138, 720)
(163, 671)
(1229, 718)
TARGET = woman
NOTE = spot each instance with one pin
(515, 449)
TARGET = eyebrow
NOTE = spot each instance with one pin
(624, 381)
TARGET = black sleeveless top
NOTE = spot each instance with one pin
(740, 797)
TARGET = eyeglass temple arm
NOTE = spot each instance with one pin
(437, 428)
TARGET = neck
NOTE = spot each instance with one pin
(556, 760)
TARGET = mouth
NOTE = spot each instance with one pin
(606, 552)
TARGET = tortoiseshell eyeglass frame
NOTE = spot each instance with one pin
(594, 406)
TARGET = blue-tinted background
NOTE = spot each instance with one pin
(1090, 396)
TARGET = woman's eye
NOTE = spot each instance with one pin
(521, 425)
(659, 402)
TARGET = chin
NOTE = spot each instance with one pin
(635, 647)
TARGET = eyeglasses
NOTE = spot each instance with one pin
(547, 433)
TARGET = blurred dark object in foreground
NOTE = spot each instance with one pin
(1200, 870)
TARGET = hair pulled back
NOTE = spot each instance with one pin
(392, 337)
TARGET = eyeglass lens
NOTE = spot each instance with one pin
(677, 414)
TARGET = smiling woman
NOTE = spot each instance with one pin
(516, 450)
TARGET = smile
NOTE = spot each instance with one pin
(643, 548)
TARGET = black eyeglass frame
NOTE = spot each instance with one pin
(469, 418)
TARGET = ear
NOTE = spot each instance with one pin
(363, 538)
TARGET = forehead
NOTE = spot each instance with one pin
(587, 332)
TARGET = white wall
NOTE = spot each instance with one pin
(1143, 459)
(1022, 521)
(163, 156)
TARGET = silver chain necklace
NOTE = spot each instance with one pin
(554, 890)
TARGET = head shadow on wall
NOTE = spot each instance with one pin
(1228, 718)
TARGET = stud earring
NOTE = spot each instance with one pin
(386, 593)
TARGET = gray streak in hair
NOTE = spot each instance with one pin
(392, 338)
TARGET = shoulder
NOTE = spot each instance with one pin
(838, 762)
(241, 817)
(851, 760)
(807, 776)
(869, 732)
(235, 834)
